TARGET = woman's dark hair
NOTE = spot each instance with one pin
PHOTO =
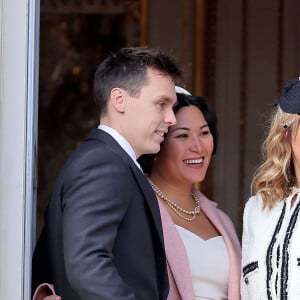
(208, 113)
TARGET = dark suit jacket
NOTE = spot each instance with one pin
(103, 236)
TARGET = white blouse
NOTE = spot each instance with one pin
(209, 265)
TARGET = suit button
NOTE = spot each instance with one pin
(246, 280)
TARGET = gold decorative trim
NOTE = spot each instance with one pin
(136, 12)
(144, 23)
(243, 111)
(200, 51)
(87, 6)
(185, 32)
(280, 43)
(134, 8)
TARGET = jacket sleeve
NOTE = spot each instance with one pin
(95, 197)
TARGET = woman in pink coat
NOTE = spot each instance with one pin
(202, 248)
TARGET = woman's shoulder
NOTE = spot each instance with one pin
(254, 202)
(212, 206)
(255, 207)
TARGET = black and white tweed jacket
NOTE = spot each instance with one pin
(271, 250)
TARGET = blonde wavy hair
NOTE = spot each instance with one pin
(275, 177)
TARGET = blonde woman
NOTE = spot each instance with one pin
(271, 223)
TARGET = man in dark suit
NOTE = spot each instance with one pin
(103, 237)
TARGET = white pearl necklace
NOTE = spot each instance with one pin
(175, 207)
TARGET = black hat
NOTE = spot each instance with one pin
(289, 98)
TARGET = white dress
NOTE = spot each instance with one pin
(209, 265)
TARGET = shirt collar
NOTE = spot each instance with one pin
(121, 141)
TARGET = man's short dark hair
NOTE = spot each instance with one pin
(127, 69)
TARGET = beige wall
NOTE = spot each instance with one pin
(171, 27)
(256, 49)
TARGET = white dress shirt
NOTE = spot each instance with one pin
(122, 142)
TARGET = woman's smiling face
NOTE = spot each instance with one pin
(186, 152)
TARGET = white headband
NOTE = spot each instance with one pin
(181, 90)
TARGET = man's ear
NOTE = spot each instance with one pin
(118, 99)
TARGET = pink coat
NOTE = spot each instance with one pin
(180, 279)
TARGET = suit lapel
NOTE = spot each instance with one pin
(141, 179)
(151, 200)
